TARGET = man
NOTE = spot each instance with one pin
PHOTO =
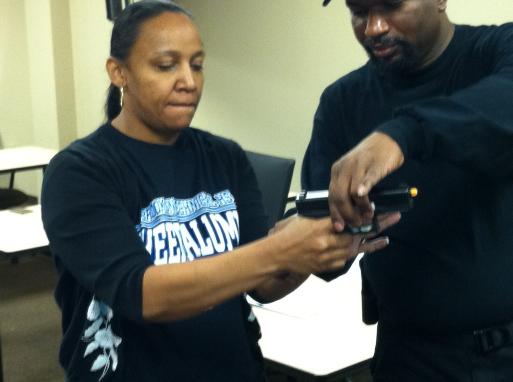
(432, 108)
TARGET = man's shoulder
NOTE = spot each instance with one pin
(486, 27)
(355, 77)
(485, 31)
(486, 43)
(350, 84)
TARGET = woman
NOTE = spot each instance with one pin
(129, 209)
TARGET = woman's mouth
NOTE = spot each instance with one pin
(184, 106)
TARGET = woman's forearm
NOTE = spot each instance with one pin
(178, 291)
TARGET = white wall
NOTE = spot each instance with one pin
(90, 31)
(40, 46)
(477, 12)
(267, 64)
(15, 98)
(269, 60)
(15, 85)
(49, 81)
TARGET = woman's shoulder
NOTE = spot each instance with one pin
(89, 152)
(213, 141)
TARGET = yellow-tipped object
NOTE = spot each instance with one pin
(413, 191)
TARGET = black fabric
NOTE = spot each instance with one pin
(112, 206)
(408, 356)
(490, 339)
(449, 263)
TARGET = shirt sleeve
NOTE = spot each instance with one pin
(473, 127)
(91, 233)
(325, 145)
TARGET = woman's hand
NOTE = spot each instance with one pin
(312, 246)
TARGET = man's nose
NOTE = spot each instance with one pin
(377, 24)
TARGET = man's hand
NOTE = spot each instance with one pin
(372, 242)
(354, 175)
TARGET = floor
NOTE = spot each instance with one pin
(29, 320)
(30, 325)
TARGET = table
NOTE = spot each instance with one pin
(22, 230)
(316, 332)
(24, 158)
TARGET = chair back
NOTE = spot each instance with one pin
(10, 197)
(274, 175)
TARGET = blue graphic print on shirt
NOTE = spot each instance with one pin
(173, 231)
(181, 230)
(100, 338)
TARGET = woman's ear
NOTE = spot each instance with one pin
(442, 5)
(116, 72)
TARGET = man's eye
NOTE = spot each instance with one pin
(393, 5)
(358, 12)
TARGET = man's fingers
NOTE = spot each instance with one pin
(337, 194)
(336, 218)
(366, 209)
(342, 206)
(369, 246)
(373, 175)
(356, 173)
(387, 220)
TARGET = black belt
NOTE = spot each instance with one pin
(494, 338)
(483, 341)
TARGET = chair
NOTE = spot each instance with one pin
(11, 197)
(1, 367)
(274, 175)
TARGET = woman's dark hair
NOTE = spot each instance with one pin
(124, 34)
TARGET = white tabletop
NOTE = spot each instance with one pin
(318, 328)
(21, 229)
(19, 158)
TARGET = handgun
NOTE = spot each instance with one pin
(314, 204)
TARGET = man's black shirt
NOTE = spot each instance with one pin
(449, 264)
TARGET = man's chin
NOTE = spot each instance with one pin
(395, 65)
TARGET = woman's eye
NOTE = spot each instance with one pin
(197, 67)
(165, 67)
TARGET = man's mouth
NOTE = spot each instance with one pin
(383, 51)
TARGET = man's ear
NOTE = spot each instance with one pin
(116, 72)
(442, 5)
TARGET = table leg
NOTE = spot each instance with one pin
(1, 368)
(11, 180)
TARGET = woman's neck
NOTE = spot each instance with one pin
(134, 128)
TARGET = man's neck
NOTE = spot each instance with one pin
(442, 42)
